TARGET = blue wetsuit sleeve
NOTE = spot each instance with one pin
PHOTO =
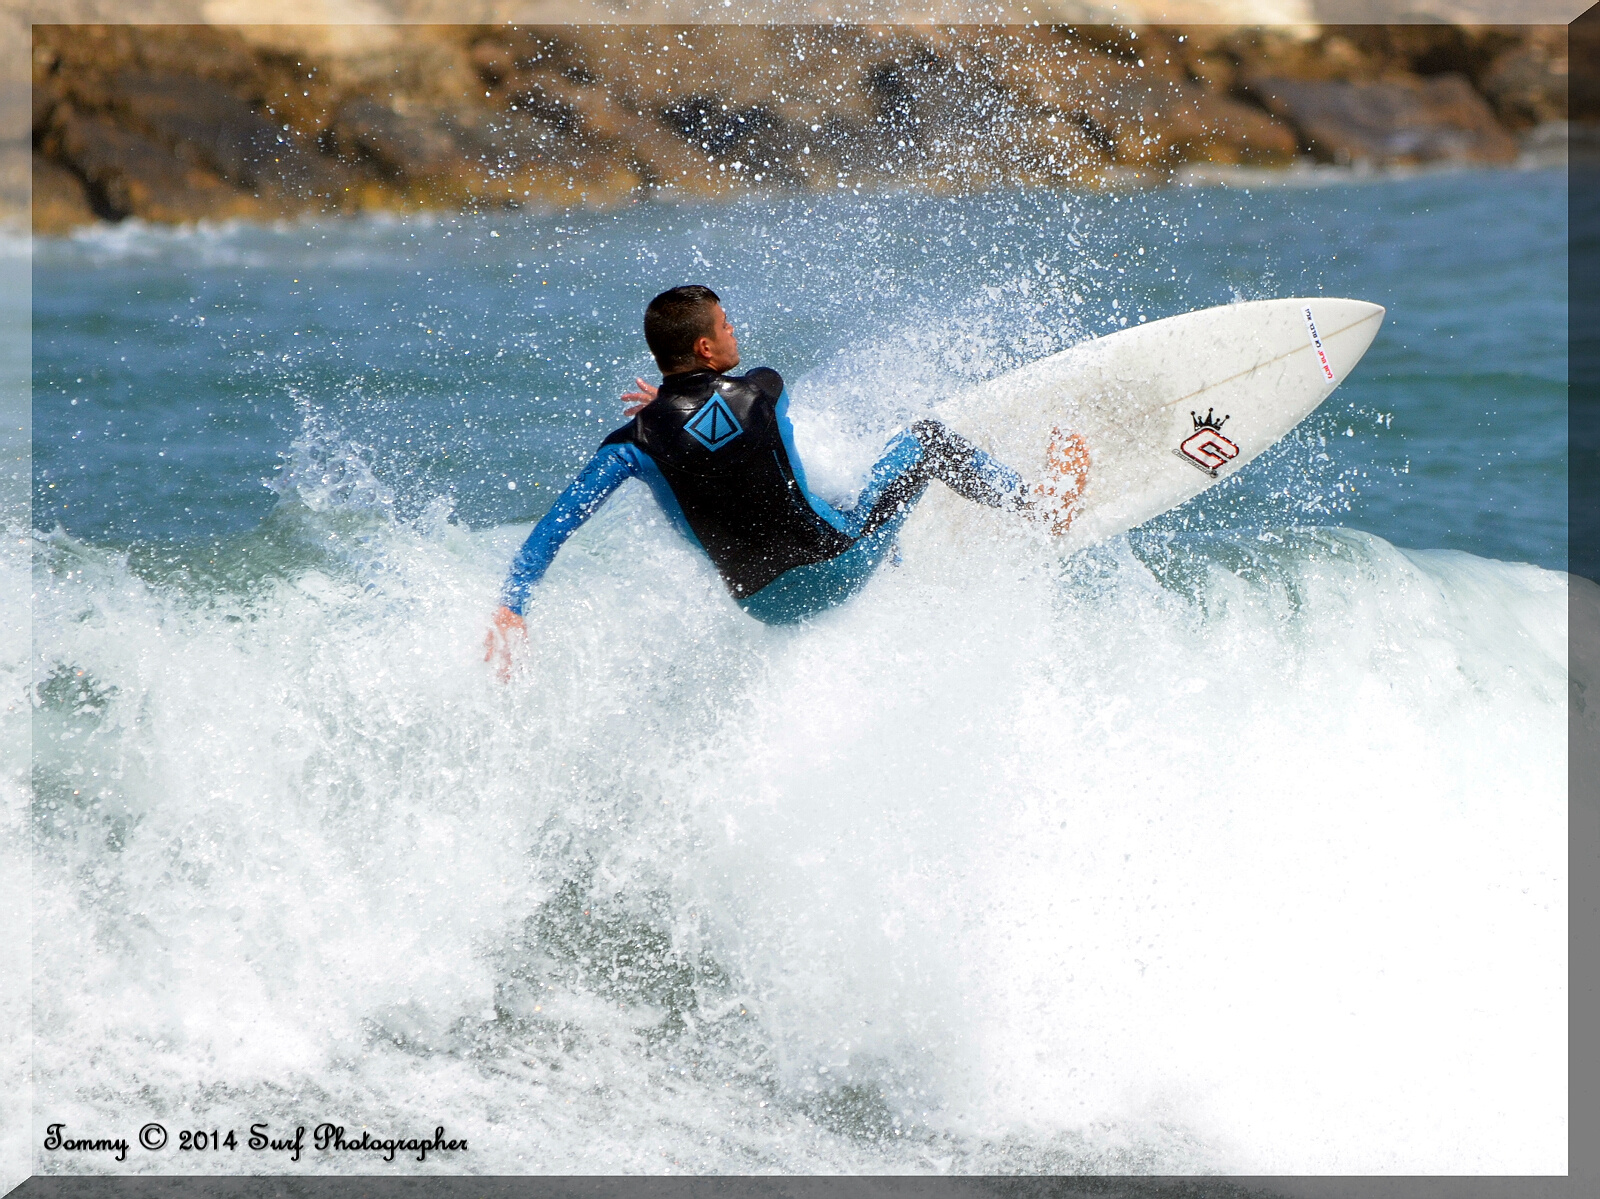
(786, 432)
(611, 466)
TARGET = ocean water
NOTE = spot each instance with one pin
(1235, 844)
(16, 1141)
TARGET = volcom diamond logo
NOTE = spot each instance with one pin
(714, 425)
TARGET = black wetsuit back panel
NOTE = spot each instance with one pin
(719, 443)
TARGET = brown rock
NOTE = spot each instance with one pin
(493, 60)
(60, 200)
(1207, 127)
(1392, 122)
(1146, 117)
(1527, 87)
(174, 122)
(753, 139)
(1392, 50)
(1216, 72)
(129, 175)
(210, 126)
(400, 146)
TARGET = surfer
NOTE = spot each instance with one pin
(717, 451)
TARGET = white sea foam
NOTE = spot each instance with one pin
(1249, 858)
(15, 863)
(1198, 851)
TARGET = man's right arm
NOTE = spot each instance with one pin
(605, 472)
(611, 466)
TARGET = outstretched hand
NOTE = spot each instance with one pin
(636, 400)
(498, 643)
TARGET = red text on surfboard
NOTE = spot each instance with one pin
(1316, 344)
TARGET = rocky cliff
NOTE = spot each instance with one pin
(175, 123)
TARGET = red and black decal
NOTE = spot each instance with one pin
(1206, 448)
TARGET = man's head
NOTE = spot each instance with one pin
(687, 330)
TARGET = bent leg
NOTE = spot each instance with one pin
(806, 591)
(926, 451)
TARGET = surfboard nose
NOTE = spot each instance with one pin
(1335, 313)
(1347, 328)
(1368, 311)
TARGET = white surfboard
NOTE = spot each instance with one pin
(1167, 408)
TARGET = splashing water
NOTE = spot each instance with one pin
(1232, 845)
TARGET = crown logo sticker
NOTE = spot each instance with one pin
(1206, 448)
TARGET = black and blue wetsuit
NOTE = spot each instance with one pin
(717, 451)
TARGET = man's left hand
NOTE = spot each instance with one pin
(636, 400)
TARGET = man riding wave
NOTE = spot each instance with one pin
(717, 451)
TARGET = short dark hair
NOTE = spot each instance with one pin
(674, 321)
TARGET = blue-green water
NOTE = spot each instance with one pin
(172, 371)
(1237, 844)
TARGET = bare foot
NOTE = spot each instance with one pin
(1055, 500)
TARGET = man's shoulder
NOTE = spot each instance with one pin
(767, 379)
(622, 436)
(764, 379)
